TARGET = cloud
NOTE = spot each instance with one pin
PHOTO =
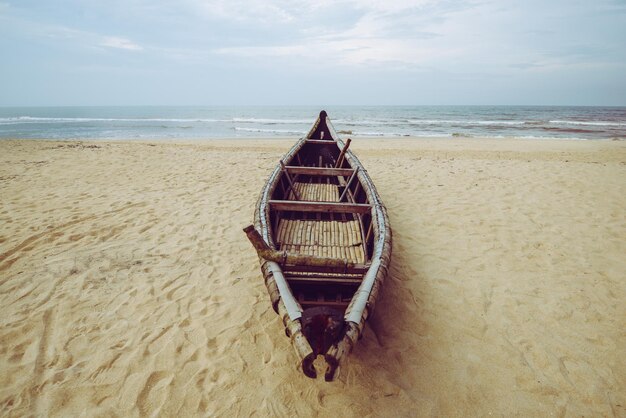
(345, 51)
(63, 35)
(503, 37)
(271, 11)
(379, 33)
(119, 43)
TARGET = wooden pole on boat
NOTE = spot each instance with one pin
(283, 257)
(295, 192)
(345, 191)
(343, 153)
(369, 231)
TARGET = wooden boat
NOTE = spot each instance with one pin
(324, 244)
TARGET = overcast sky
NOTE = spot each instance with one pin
(279, 52)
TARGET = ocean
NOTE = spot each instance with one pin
(206, 122)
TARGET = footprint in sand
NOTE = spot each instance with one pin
(154, 393)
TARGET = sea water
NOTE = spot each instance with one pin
(196, 122)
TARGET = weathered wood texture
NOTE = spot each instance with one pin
(365, 298)
(359, 269)
(363, 302)
(286, 258)
(319, 141)
(319, 171)
(323, 207)
(289, 180)
(346, 189)
(342, 154)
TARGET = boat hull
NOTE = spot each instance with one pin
(339, 251)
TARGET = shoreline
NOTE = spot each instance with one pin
(596, 122)
(517, 146)
(343, 136)
(128, 288)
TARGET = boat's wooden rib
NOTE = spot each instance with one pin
(342, 154)
(324, 244)
(319, 171)
(318, 141)
(355, 268)
(323, 280)
(319, 303)
(319, 206)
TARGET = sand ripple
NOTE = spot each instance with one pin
(128, 289)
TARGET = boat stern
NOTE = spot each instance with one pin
(323, 328)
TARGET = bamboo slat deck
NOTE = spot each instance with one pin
(337, 239)
(316, 192)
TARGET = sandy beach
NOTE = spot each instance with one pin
(127, 287)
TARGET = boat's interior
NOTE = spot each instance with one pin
(320, 208)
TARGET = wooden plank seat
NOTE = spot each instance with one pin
(320, 141)
(325, 207)
(324, 280)
(330, 303)
(358, 269)
(318, 171)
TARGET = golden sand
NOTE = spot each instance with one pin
(127, 287)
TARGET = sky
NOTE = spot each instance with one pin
(280, 52)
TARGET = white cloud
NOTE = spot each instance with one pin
(247, 11)
(346, 51)
(381, 32)
(119, 43)
(454, 36)
(303, 11)
(444, 35)
(35, 28)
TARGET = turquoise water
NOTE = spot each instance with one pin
(162, 122)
